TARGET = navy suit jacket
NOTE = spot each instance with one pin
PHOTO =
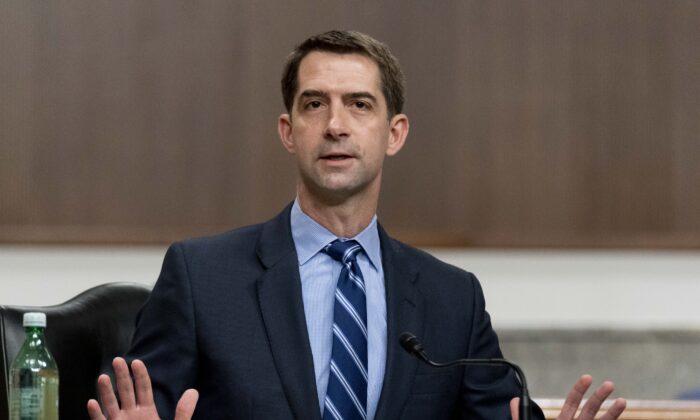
(226, 317)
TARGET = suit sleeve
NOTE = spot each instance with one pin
(487, 390)
(165, 336)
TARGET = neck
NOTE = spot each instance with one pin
(345, 218)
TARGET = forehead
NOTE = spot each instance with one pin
(340, 73)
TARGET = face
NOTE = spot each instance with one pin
(339, 129)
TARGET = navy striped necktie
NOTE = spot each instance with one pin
(346, 398)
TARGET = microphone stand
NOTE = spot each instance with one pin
(410, 343)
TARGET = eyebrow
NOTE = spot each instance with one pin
(360, 95)
(312, 93)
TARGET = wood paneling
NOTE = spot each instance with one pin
(533, 123)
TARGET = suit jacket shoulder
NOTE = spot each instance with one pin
(226, 317)
(444, 307)
(425, 262)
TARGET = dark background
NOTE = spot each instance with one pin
(533, 123)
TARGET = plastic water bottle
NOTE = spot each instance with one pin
(34, 375)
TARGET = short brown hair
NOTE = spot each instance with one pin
(393, 84)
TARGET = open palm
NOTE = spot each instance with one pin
(590, 408)
(136, 396)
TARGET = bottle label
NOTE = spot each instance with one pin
(31, 402)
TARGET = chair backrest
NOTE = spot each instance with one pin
(84, 334)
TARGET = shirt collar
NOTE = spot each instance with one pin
(310, 237)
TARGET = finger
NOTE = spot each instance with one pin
(185, 407)
(94, 411)
(125, 384)
(590, 409)
(573, 399)
(514, 405)
(109, 400)
(142, 383)
(615, 410)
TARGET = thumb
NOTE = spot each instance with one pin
(185, 407)
(514, 403)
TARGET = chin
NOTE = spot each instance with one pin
(337, 193)
(336, 187)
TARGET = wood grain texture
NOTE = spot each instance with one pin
(533, 123)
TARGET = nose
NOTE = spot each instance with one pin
(336, 126)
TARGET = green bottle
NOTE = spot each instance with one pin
(34, 375)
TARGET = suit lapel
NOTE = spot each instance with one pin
(404, 313)
(281, 304)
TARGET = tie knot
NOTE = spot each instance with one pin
(343, 251)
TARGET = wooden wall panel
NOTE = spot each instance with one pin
(533, 123)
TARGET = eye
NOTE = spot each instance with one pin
(361, 105)
(313, 104)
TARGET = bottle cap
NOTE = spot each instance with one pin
(34, 319)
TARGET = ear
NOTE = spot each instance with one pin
(398, 130)
(284, 129)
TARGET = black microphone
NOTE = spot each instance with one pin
(410, 343)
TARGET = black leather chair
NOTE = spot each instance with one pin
(84, 334)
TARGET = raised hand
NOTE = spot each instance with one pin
(590, 408)
(136, 396)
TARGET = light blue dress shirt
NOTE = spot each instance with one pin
(319, 276)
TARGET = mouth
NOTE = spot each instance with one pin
(336, 157)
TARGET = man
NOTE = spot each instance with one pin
(299, 317)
